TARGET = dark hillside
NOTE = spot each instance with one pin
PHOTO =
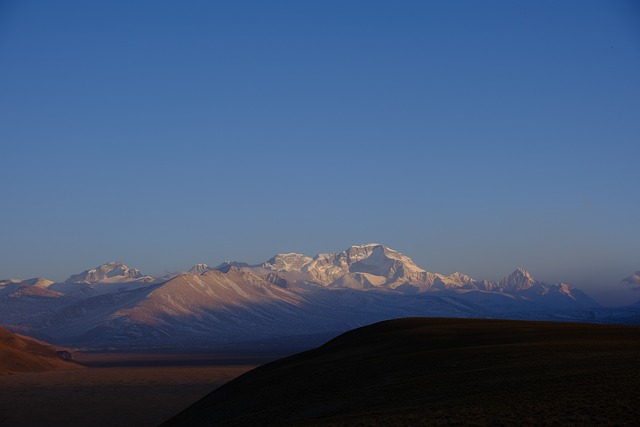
(441, 371)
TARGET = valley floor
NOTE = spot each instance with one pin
(113, 396)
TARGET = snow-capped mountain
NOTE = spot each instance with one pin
(360, 267)
(199, 268)
(31, 287)
(28, 303)
(287, 262)
(376, 267)
(453, 281)
(212, 305)
(288, 295)
(235, 305)
(106, 278)
(384, 267)
(633, 280)
(519, 280)
(112, 272)
(521, 284)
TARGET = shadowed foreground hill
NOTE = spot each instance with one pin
(18, 354)
(441, 371)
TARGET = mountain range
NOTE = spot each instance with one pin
(289, 298)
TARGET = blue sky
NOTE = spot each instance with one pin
(472, 136)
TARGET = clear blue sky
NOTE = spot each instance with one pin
(472, 136)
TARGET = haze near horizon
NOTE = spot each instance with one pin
(473, 137)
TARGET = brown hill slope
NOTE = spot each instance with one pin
(424, 371)
(19, 354)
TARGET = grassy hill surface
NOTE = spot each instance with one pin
(426, 371)
(19, 354)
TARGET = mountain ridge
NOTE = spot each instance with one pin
(288, 295)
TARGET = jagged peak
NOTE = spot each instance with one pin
(521, 272)
(39, 281)
(289, 255)
(237, 273)
(199, 268)
(519, 279)
(109, 266)
(634, 279)
(288, 261)
(373, 258)
(229, 269)
(226, 264)
(104, 271)
(462, 277)
(368, 245)
(369, 248)
(36, 281)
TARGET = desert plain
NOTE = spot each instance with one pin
(115, 389)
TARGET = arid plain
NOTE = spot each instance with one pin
(121, 391)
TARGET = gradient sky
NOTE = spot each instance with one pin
(472, 136)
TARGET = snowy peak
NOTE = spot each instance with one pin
(390, 268)
(38, 282)
(519, 280)
(358, 253)
(453, 281)
(36, 287)
(208, 296)
(374, 258)
(633, 280)
(562, 295)
(228, 264)
(374, 252)
(461, 278)
(287, 262)
(109, 272)
(359, 281)
(381, 261)
(199, 268)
